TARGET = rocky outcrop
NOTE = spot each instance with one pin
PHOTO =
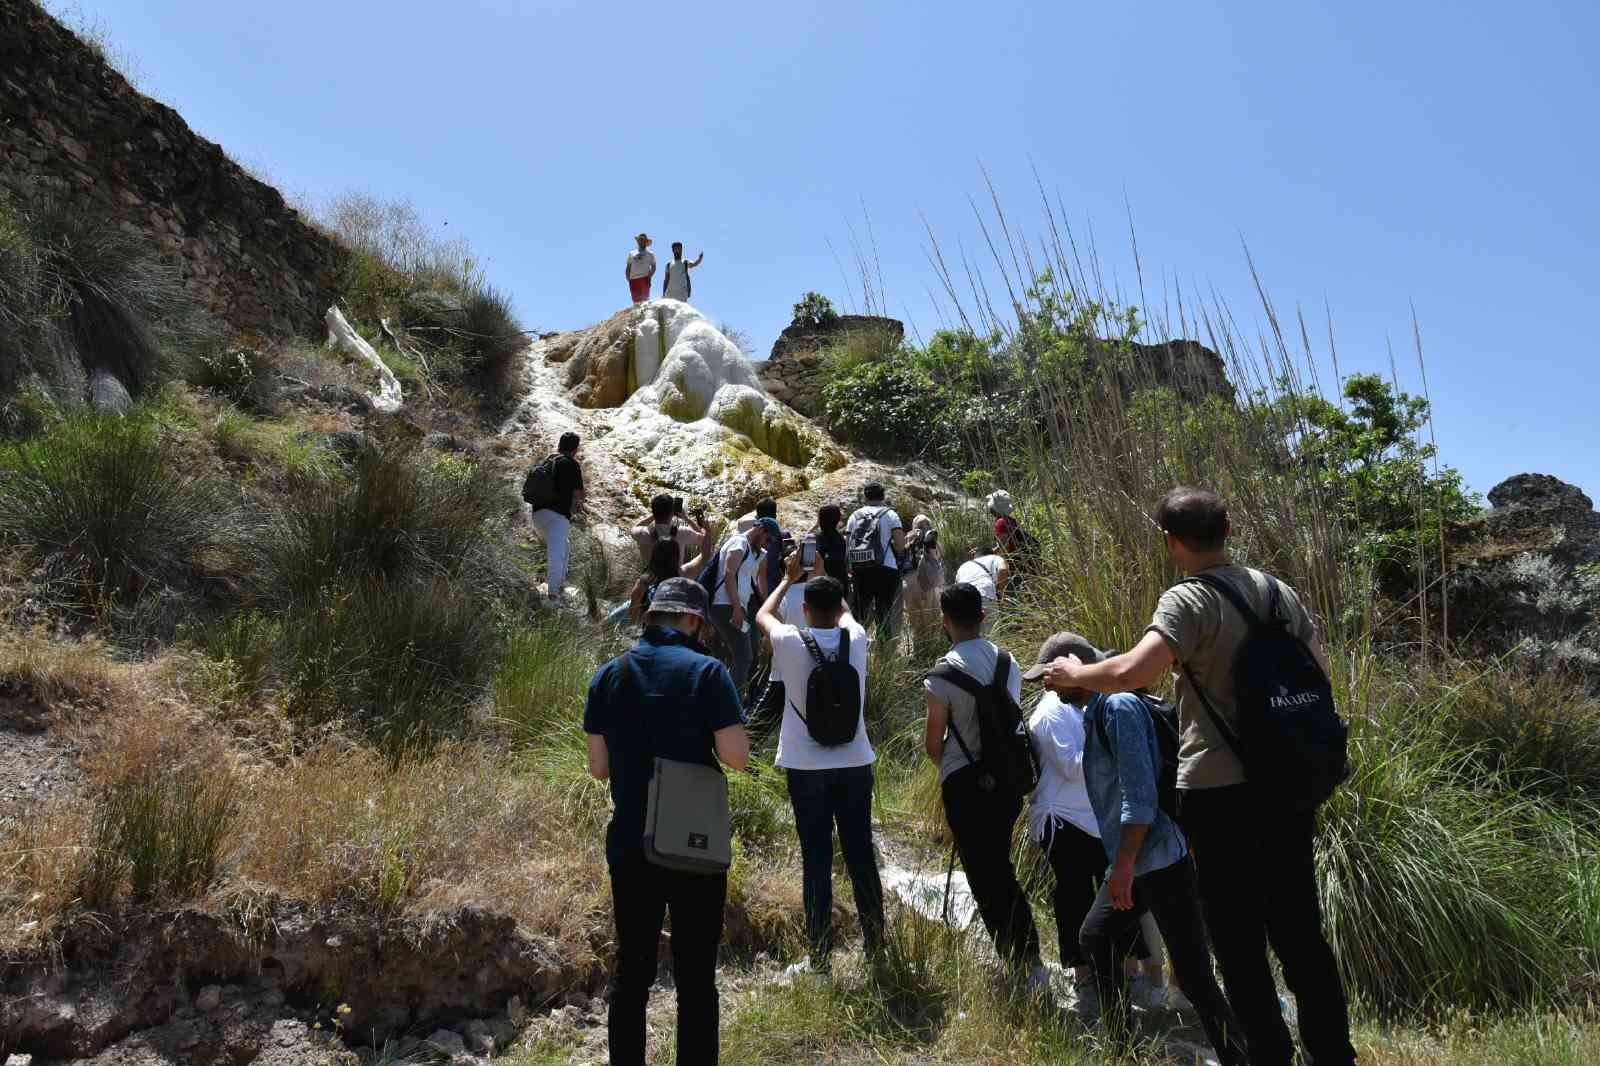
(795, 372)
(71, 126)
(1188, 368)
(197, 988)
(1526, 575)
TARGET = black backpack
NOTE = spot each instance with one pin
(1289, 736)
(833, 694)
(711, 573)
(1164, 720)
(1010, 763)
(539, 488)
(865, 547)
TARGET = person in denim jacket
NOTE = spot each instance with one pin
(1151, 869)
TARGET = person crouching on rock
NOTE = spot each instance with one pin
(640, 268)
(691, 715)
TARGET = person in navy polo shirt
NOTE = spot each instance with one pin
(675, 702)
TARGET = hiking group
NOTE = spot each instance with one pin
(640, 269)
(1184, 828)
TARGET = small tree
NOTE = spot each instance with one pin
(814, 311)
(1377, 470)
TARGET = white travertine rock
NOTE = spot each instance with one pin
(341, 334)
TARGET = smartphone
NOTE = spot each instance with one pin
(808, 554)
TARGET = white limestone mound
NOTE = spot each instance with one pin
(665, 403)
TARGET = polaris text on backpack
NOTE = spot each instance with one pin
(1289, 736)
(833, 693)
(1009, 763)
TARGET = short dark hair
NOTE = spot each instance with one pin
(872, 491)
(962, 603)
(661, 507)
(677, 244)
(766, 507)
(1196, 516)
(829, 516)
(825, 596)
(569, 443)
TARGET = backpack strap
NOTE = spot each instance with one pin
(1231, 594)
(1227, 591)
(810, 641)
(966, 683)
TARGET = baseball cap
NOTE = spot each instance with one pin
(679, 595)
(1059, 646)
(770, 525)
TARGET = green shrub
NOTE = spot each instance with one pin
(543, 677)
(247, 376)
(399, 511)
(82, 294)
(1442, 887)
(113, 504)
(406, 660)
(492, 343)
(814, 311)
(160, 832)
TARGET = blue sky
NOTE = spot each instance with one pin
(1375, 157)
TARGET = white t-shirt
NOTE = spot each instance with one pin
(791, 609)
(677, 279)
(1057, 730)
(792, 664)
(980, 574)
(886, 527)
(747, 571)
(641, 264)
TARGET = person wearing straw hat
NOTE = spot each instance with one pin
(641, 267)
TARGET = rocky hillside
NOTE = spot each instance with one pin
(72, 127)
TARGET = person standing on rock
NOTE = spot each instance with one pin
(824, 751)
(640, 268)
(553, 488)
(1254, 849)
(664, 699)
(875, 537)
(675, 283)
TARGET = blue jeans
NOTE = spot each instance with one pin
(823, 799)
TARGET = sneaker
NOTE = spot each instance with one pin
(1038, 984)
(1146, 996)
(1085, 1001)
(805, 967)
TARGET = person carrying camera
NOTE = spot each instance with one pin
(820, 659)
(664, 699)
(667, 521)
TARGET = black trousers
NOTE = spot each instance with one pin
(642, 899)
(1079, 862)
(824, 799)
(982, 823)
(1258, 886)
(1170, 895)
(875, 589)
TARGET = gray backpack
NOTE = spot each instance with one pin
(866, 545)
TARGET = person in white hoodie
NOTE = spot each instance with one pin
(1062, 823)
